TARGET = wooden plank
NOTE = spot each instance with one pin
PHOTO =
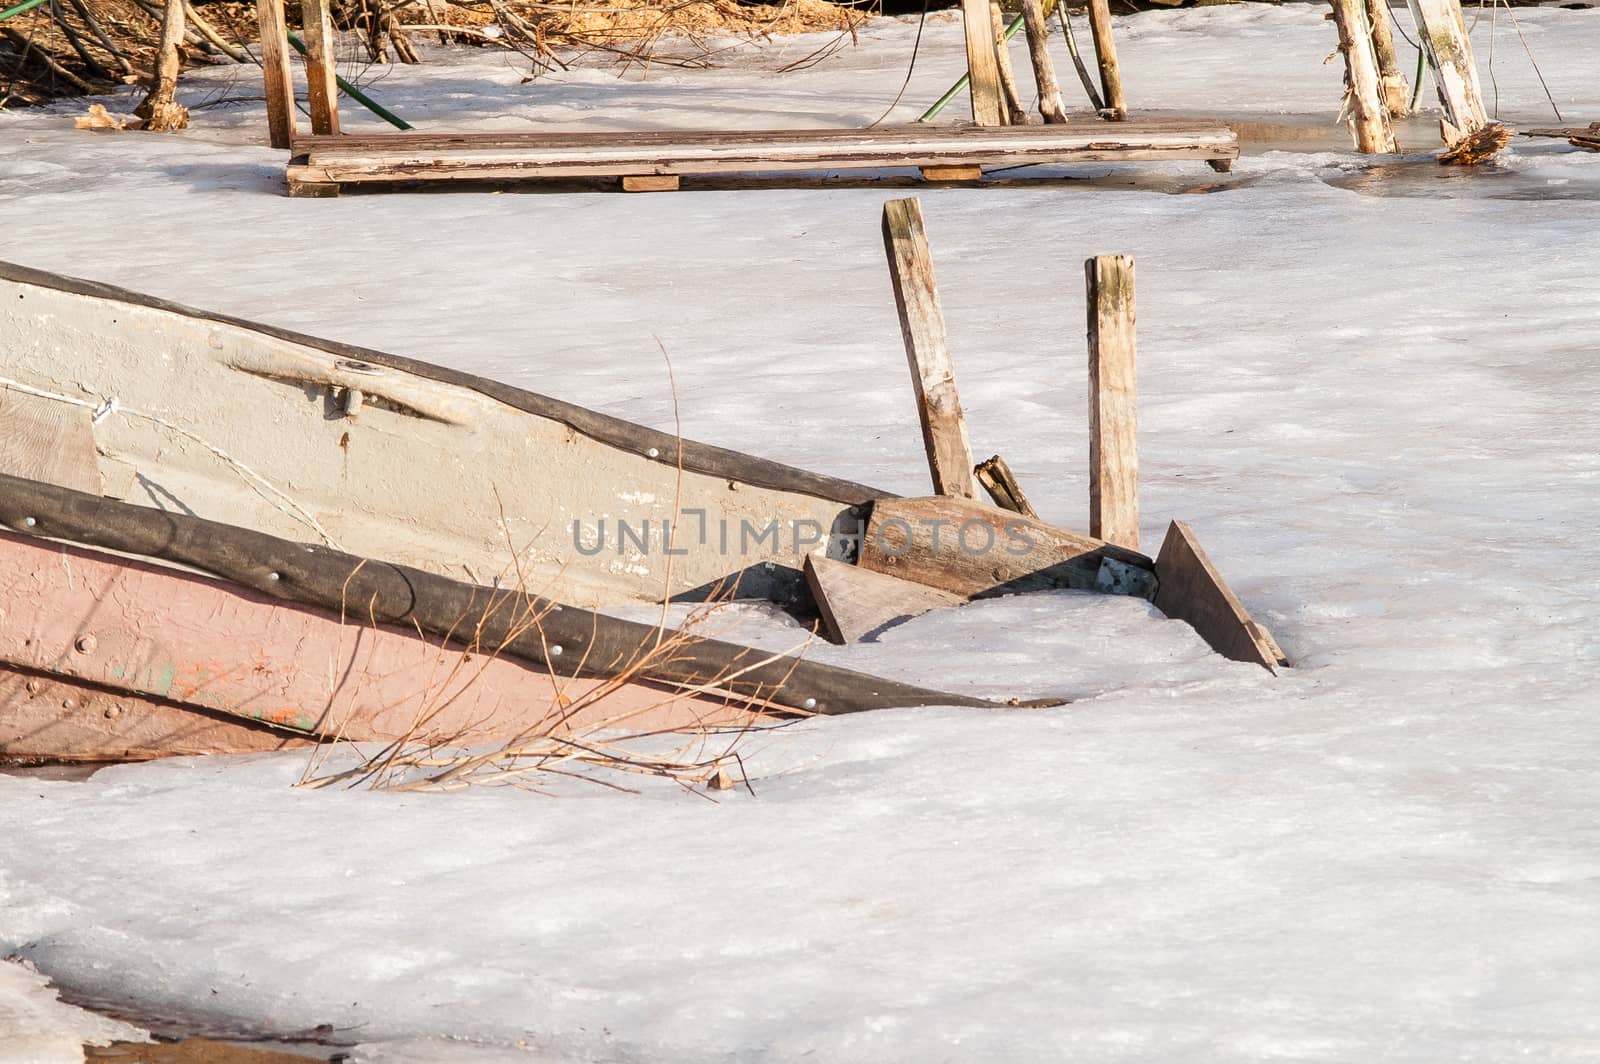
(1364, 105)
(650, 183)
(857, 603)
(952, 173)
(1051, 107)
(48, 441)
(974, 550)
(1192, 590)
(1455, 75)
(1113, 401)
(275, 72)
(916, 297)
(983, 64)
(1105, 50)
(321, 79)
(1002, 486)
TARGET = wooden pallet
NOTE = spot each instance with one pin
(654, 161)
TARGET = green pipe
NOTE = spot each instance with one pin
(26, 5)
(955, 90)
(348, 89)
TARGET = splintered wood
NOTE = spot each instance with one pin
(1002, 486)
(1367, 112)
(1113, 402)
(916, 297)
(1192, 590)
(1444, 38)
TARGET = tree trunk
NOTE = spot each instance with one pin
(1391, 80)
(160, 109)
(1369, 119)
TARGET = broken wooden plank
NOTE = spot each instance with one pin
(275, 73)
(916, 298)
(1113, 401)
(48, 440)
(974, 550)
(650, 183)
(952, 173)
(322, 87)
(1002, 486)
(857, 603)
(1455, 75)
(1192, 590)
(1105, 50)
(983, 63)
(1364, 106)
(1051, 107)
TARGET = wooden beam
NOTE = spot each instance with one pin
(916, 297)
(1444, 39)
(321, 79)
(857, 603)
(997, 480)
(952, 173)
(1391, 79)
(1016, 114)
(48, 441)
(1192, 590)
(1105, 50)
(650, 183)
(275, 73)
(1051, 107)
(974, 550)
(983, 63)
(1113, 401)
(1363, 103)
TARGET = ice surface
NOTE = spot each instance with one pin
(1373, 393)
(36, 1028)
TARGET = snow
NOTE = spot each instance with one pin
(1370, 389)
(36, 1028)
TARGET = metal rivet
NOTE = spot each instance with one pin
(274, 576)
(67, 703)
(29, 522)
(113, 712)
(810, 703)
(653, 453)
(555, 650)
(85, 644)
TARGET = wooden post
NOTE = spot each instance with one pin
(1391, 79)
(1016, 114)
(983, 63)
(1444, 38)
(275, 71)
(1044, 72)
(1369, 118)
(161, 110)
(916, 297)
(1113, 402)
(1105, 50)
(321, 80)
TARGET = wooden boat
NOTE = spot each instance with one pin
(226, 536)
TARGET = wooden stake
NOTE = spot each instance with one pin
(1444, 38)
(321, 80)
(1113, 402)
(1391, 79)
(275, 72)
(1368, 117)
(161, 110)
(997, 480)
(1044, 72)
(916, 297)
(983, 63)
(1016, 114)
(1105, 50)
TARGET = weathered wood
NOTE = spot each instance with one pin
(952, 173)
(48, 440)
(1392, 84)
(1192, 590)
(1363, 104)
(302, 186)
(1051, 107)
(1105, 50)
(1455, 75)
(983, 64)
(1113, 401)
(1016, 114)
(916, 297)
(322, 86)
(276, 75)
(997, 480)
(974, 550)
(650, 183)
(857, 603)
